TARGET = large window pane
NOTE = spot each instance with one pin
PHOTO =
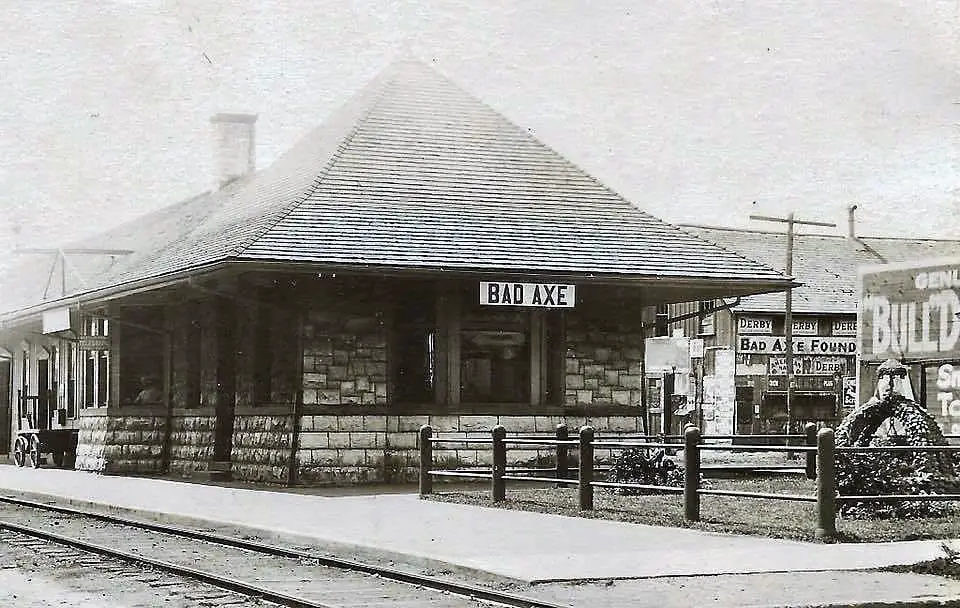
(495, 356)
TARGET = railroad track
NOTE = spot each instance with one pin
(279, 575)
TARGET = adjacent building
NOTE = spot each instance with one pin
(737, 378)
(416, 259)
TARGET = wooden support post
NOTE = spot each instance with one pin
(810, 430)
(691, 474)
(586, 468)
(426, 460)
(826, 485)
(562, 462)
(498, 485)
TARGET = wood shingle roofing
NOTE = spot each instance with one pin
(415, 173)
(826, 265)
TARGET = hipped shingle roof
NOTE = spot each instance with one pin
(415, 173)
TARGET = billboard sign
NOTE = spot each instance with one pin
(910, 311)
(943, 395)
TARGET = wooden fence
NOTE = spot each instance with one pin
(818, 447)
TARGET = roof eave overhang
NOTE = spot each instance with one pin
(767, 283)
(715, 286)
(102, 295)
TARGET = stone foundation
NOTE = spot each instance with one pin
(191, 443)
(364, 449)
(120, 443)
(261, 448)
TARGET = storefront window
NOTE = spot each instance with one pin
(662, 326)
(706, 318)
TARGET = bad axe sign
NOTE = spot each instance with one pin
(541, 295)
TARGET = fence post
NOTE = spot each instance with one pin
(826, 485)
(691, 473)
(426, 460)
(498, 485)
(810, 430)
(562, 465)
(586, 468)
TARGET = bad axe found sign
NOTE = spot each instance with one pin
(543, 295)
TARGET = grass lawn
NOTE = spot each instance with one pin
(772, 518)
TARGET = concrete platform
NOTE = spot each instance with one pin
(528, 547)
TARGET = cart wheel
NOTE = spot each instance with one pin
(35, 451)
(20, 451)
(58, 459)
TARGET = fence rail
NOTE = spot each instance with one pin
(819, 449)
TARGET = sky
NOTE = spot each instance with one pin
(696, 111)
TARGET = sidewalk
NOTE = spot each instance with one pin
(527, 547)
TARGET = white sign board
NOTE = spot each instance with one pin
(56, 320)
(844, 327)
(666, 355)
(540, 295)
(777, 345)
(754, 325)
(696, 348)
(806, 327)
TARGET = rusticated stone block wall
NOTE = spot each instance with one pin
(261, 448)
(121, 444)
(604, 363)
(344, 358)
(347, 450)
(191, 443)
(91, 443)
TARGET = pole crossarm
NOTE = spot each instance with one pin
(788, 220)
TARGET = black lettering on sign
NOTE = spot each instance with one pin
(561, 295)
(493, 293)
(536, 295)
(517, 293)
(505, 295)
(549, 289)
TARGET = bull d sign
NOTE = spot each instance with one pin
(910, 311)
(541, 295)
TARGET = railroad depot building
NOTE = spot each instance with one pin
(743, 346)
(416, 259)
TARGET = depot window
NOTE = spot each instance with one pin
(509, 354)
(96, 362)
(449, 349)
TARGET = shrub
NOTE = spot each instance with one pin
(887, 473)
(903, 473)
(635, 465)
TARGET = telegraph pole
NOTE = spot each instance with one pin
(790, 221)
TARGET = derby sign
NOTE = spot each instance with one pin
(541, 295)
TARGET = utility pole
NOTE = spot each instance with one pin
(790, 221)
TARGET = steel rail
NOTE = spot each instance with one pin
(223, 582)
(463, 589)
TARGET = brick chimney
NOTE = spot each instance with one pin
(852, 221)
(234, 147)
